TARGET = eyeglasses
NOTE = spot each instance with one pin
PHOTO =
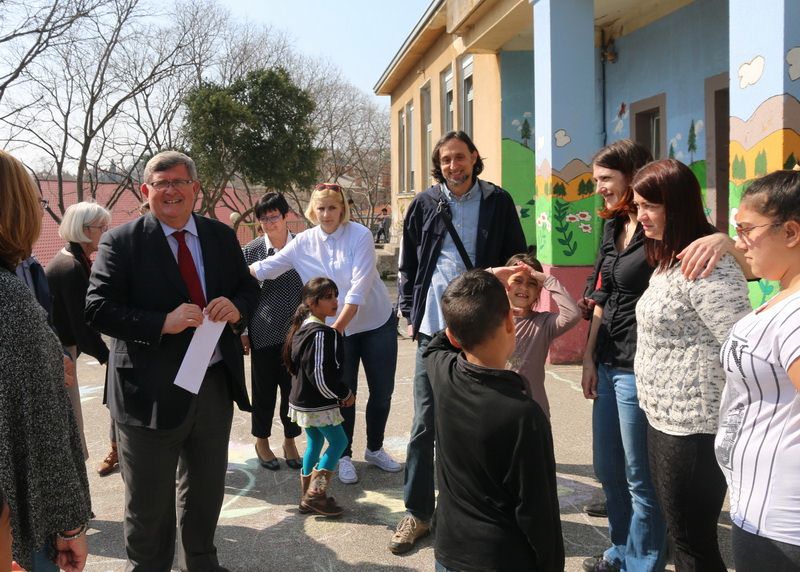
(177, 184)
(328, 187)
(102, 227)
(744, 232)
(44, 202)
(270, 218)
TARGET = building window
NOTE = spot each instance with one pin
(649, 124)
(466, 95)
(401, 150)
(410, 146)
(427, 134)
(448, 102)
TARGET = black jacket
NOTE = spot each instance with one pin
(497, 508)
(135, 283)
(317, 356)
(499, 231)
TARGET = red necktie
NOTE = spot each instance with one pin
(188, 270)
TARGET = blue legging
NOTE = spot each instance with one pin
(315, 439)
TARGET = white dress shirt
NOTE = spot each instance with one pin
(346, 256)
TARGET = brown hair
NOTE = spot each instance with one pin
(474, 305)
(20, 213)
(776, 195)
(627, 157)
(313, 291)
(671, 183)
(436, 172)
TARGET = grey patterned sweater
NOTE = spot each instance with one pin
(42, 472)
(681, 327)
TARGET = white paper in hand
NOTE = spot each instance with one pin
(201, 348)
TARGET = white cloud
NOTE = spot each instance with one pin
(516, 122)
(679, 155)
(698, 126)
(675, 141)
(619, 126)
(750, 72)
(561, 137)
(527, 115)
(793, 59)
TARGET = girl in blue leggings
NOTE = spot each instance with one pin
(314, 354)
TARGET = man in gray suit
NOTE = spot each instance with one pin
(155, 280)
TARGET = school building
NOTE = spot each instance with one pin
(541, 85)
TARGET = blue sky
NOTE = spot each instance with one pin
(360, 36)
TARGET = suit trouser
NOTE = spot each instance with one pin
(149, 458)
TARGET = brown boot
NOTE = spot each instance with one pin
(110, 463)
(305, 480)
(316, 498)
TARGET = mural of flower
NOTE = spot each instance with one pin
(587, 228)
(571, 218)
(584, 215)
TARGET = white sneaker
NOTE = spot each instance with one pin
(382, 460)
(347, 472)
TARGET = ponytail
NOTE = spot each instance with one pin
(300, 315)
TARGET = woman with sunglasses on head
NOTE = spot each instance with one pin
(681, 325)
(68, 278)
(758, 442)
(266, 334)
(343, 251)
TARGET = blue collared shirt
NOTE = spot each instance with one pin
(465, 211)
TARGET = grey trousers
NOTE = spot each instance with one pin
(149, 458)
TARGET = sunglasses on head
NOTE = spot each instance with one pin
(328, 187)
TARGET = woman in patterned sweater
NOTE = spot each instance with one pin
(679, 380)
(42, 472)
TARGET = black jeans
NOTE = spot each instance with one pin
(268, 374)
(690, 488)
(753, 553)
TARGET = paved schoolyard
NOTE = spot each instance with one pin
(260, 528)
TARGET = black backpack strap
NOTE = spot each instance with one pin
(443, 208)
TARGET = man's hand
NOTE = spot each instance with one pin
(223, 310)
(69, 371)
(589, 379)
(586, 306)
(182, 317)
(71, 554)
(245, 343)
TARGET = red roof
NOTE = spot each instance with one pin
(125, 209)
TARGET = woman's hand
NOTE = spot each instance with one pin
(245, 344)
(69, 371)
(71, 554)
(589, 378)
(586, 307)
(700, 258)
(349, 401)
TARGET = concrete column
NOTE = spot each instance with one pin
(764, 98)
(568, 229)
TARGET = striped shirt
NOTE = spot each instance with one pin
(758, 442)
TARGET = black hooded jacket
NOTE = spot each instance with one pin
(317, 355)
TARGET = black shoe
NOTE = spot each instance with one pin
(599, 564)
(597, 509)
(272, 464)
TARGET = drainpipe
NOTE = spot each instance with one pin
(603, 86)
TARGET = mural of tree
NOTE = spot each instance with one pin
(760, 167)
(790, 163)
(560, 212)
(738, 168)
(691, 142)
(585, 188)
(671, 151)
(525, 132)
(559, 190)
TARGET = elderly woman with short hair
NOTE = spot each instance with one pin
(68, 277)
(343, 251)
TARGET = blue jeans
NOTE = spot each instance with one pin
(619, 427)
(418, 488)
(42, 562)
(315, 440)
(377, 350)
(439, 567)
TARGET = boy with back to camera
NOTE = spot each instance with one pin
(498, 508)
